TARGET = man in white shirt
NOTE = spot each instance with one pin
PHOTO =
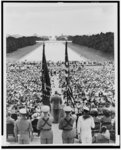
(84, 125)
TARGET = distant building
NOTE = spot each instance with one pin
(61, 37)
(52, 38)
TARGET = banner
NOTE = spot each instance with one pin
(46, 85)
(67, 79)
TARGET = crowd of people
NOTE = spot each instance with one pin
(92, 104)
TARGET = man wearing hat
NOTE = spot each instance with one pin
(84, 126)
(66, 124)
(44, 125)
(106, 119)
(23, 128)
(56, 106)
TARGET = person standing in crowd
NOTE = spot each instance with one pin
(44, 125)
(9, 124)
(34, 122)
(9, 119)
(66, 124)
(106, 119)
(56, 101)
(75, 123)
(23, 128)
(14, 112)
(113, 117)
(84, 125)
(94, 114)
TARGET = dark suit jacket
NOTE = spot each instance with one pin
(56, 102)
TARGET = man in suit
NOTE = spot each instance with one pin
(34, 123)
(56, 102)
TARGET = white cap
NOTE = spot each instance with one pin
(94, 109)
(113, 109)
(34, 115)
(86, 108)
(67, 109)
(74, 116)
(102, 101)
(106, 109)
(45, 108)
(22, 111)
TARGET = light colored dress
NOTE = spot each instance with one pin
(84, 129)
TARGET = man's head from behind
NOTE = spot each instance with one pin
(56, 92)
(103, 129)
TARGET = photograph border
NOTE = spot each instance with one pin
(2, 77)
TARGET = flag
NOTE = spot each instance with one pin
(66, 64)
(69, 92)
(46, 85)
(66, 56)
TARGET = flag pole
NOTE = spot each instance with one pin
(67, 70)
(68, 88)
(43, 72)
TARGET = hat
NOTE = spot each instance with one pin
(86, 108)
(106, 109)
(34, 115)
(74, 116)
(113, 109)
(22, 111)
(67, 109)
(94, 109)
(45, 108)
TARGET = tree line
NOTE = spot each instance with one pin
(103, 41)
(13, 43)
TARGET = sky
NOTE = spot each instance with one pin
(59, 18)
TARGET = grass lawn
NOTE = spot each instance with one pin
(89, 53)
(14, 56)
